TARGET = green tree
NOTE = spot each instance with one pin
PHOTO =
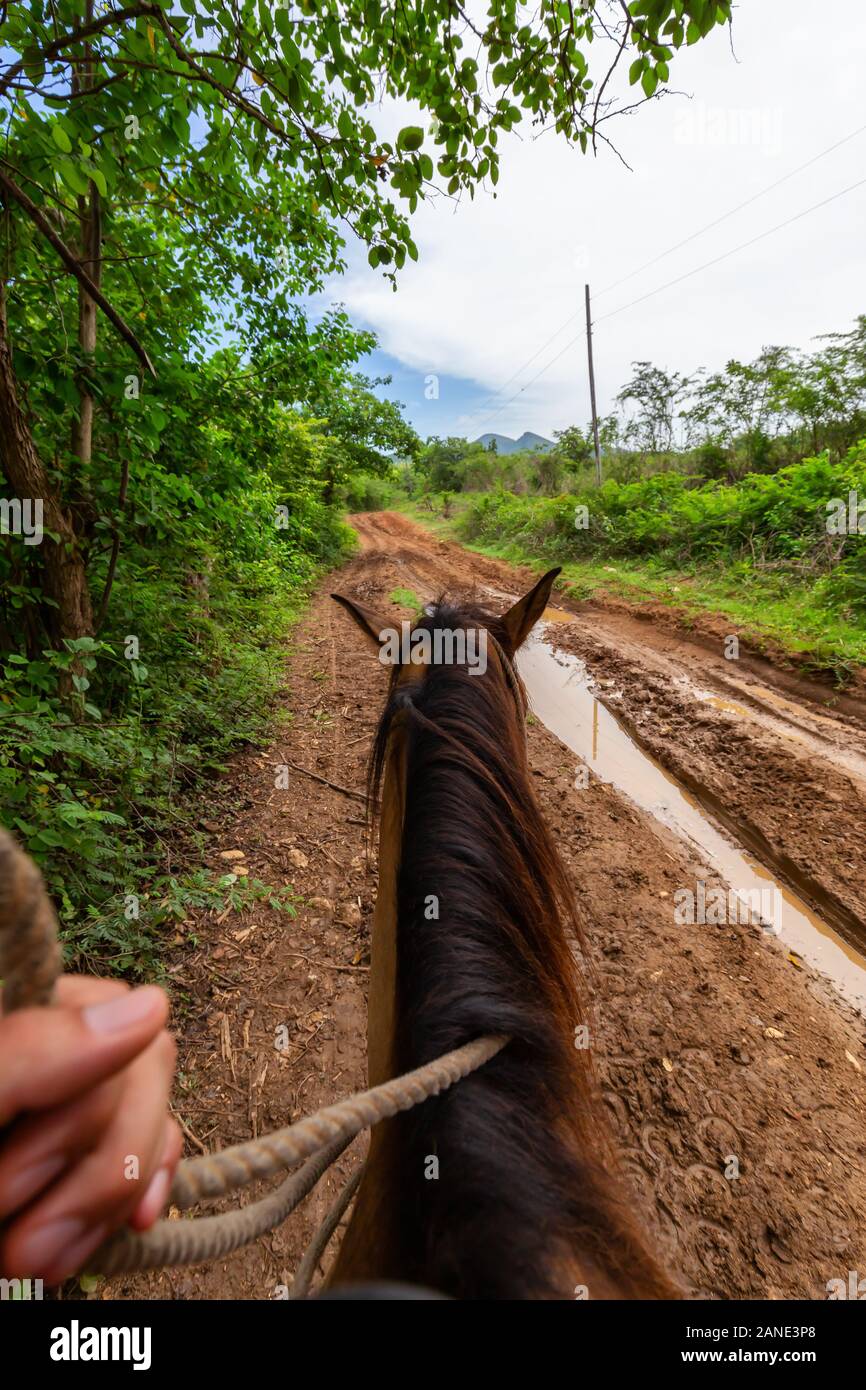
(549, 471)
(742, 406)
(441, 462)
(574, 445)
(824, 392)
(151, 155)
(657, 396)
(368, 433)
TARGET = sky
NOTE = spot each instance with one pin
(498, 277)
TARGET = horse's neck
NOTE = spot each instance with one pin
(366, 1247)
(382, 999)
(592, 1239)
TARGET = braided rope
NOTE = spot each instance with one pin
(30, 957)
(208, 1237)
(315, 1250)
(234, 1168)
(30, 961)
(318, 1137)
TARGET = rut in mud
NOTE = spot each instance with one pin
(719, 1048)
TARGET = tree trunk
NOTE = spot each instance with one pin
(90, 223)
(90, 213)
(65, 579)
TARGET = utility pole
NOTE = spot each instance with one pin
(592, 390)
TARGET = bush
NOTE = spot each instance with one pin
(767, 518)
(367, 493)
(98, 789)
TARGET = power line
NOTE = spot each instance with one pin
(730, 213)
(678, 280)
(532, 380)
(660, 257)
(734, 249)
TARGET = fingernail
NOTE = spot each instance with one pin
(155, 1199)
(116, 1015)
(25, 1183)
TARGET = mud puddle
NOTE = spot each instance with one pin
(791, 723)
(565, 699)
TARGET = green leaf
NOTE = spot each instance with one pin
(411, 137)
(73, 177)
(60, 138)
(649, 81)
(99, 179)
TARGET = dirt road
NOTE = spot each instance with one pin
(735, 1074)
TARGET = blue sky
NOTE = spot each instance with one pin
(457, 396)
(497, 278)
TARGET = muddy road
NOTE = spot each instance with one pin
(731, 1050)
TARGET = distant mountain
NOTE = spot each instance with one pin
(527, 440)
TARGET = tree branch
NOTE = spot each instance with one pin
(67, 257)
(609, 74)
(204, 76)
(85, 32)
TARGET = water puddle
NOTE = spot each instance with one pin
(730, 706)
(840, 751)
(564, 698)
(789, 706)
(557, 615)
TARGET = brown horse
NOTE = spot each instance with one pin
(506, 1185)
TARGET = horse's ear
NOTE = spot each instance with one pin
(371, 624)
(524, 614)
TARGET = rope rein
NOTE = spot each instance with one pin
(30, 961)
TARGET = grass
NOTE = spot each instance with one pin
(766, 606)
(406, 598)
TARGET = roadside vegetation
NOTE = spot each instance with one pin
(742, 492)
(107, 739)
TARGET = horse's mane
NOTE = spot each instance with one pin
(527, 1200)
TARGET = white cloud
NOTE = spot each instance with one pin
(498, 276)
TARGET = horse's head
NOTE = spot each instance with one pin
(466, 637)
